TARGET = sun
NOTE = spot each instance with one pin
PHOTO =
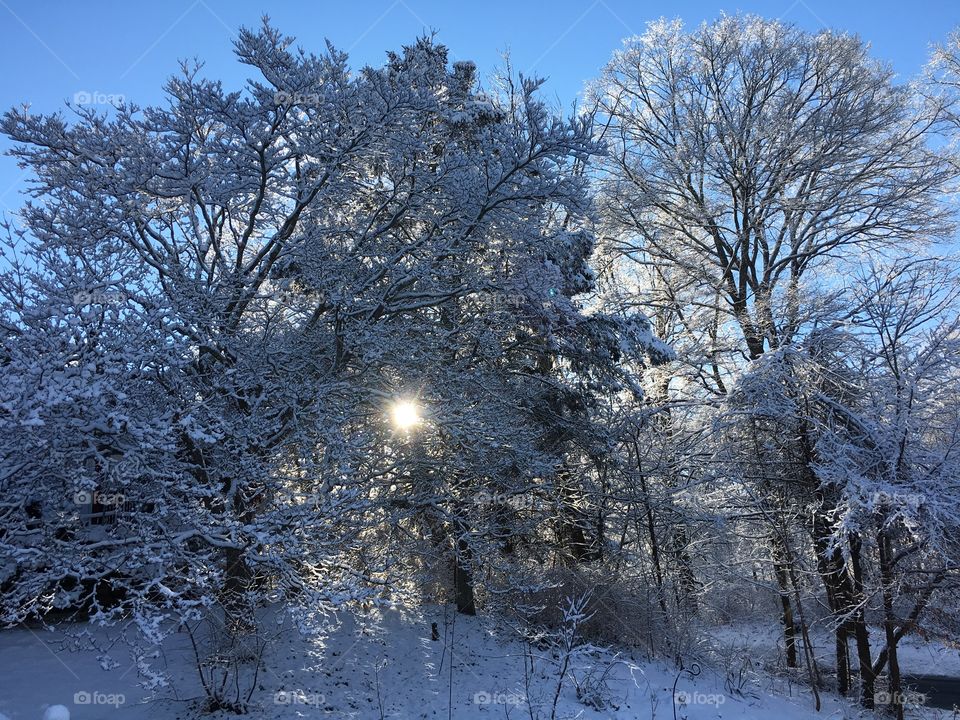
(405, 414)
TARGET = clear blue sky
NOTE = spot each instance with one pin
(52, 49)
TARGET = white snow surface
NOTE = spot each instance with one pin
(385, 664)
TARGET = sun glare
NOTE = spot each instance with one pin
(405, 414)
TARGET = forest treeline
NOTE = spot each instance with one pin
(689, 356)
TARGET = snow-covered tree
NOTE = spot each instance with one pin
(751, 167)
(225, 297)
(746, 155)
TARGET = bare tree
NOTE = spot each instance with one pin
(746, 153)
(749, 162)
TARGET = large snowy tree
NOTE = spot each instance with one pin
(752, 166)
(226, 295)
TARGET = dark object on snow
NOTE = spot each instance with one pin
(434, 632)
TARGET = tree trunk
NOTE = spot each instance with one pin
(238, 613)
(786, 607)
(463, 579)
(889, 621)
(836, 582)
(573, 524)
(867, 675)
(688, 583)
(812, 670)
(651, 533)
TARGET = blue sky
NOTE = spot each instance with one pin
(50, 50)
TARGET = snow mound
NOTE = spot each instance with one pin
(56, 712)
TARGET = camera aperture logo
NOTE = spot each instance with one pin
(84, 697)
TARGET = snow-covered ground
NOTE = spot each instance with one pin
(386, 665)
(917, 656)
